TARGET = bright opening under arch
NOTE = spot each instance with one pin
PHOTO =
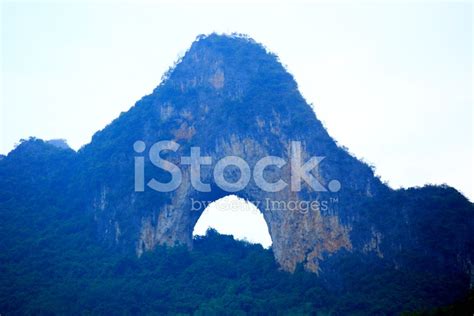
(234, 216)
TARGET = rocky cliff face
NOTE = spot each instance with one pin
(230, 97)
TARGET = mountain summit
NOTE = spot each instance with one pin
(229, 97)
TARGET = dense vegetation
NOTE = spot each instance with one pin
(51, 262)
(220, 276)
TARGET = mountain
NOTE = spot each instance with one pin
(228, 96)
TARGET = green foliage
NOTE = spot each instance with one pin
(57, 271)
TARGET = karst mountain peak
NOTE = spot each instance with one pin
(230, 97)
(213, 187)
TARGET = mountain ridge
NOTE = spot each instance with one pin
(230, 97)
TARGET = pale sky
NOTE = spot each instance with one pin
(232, 215)
(392, 82)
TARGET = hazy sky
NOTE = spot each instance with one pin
(232, 215)
(393, 83)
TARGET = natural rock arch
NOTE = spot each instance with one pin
(243, 105)
(299, 234)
